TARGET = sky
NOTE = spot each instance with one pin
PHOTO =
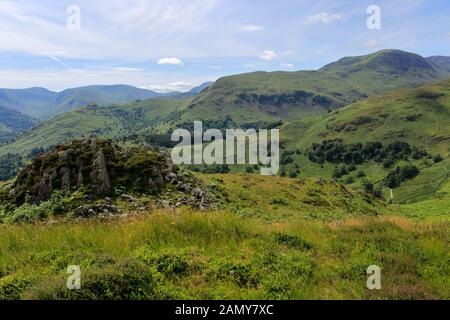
(174, 45)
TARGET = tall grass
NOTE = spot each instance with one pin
(220, 255)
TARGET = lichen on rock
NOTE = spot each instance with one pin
(100, 167)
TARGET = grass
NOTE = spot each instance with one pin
(189, 255)
(265, 242)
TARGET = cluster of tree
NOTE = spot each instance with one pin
(400, 174)
(10, 164)
(336, 151)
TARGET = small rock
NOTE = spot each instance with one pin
(172, 176)
(127, 197)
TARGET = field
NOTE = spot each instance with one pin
(270, 239)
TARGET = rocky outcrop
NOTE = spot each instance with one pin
(98, 168)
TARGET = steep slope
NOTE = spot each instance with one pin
(267, 97)
(418, 116)
(440, 62)
(12, 123)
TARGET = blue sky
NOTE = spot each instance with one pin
(176, 44)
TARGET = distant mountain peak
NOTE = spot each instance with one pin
(397, 60)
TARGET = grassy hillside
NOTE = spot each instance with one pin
(418, 116)
(112, 121)
(415, 116)
(70, 99)
(34, 102)
(266, 97)
(12, 123)
(44, 104)
(297, 239)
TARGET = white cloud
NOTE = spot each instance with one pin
(324, 17)
(251, 28)
(180, 86)
(175, 61)
(215, 67)
(268, 55)
(286, 65)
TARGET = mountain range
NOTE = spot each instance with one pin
(389, 96)
(258, 99)
(285, 96)
(41, 103)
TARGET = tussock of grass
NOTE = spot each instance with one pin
(219, 255)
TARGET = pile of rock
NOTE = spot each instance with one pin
(100, 168)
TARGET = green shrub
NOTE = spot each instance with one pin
(168, 261)
(12, 286)
(292, 241)
(27, 213)
(438, 158)
(360, 174)
(242, 273)
(129, 280)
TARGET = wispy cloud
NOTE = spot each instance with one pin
(251, 28)
(180, 86)
(286, 65)
(324, 17)
(121, 41)
(268, 55)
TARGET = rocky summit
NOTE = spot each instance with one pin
(99, 168)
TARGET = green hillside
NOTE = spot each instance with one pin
(112, 121)
(44, 104)
(12, 123)
(418, 117)
(70, 99)
(34, 102)
(266, 97)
